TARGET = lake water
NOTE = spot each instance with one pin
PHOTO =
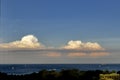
(30, 68)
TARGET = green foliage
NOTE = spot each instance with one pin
(73, 74)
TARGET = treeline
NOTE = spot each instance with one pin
(55, 75)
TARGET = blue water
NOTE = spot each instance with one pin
(30, 68)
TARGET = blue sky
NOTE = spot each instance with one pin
(55, 23)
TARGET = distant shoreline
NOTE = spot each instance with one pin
(54, 63)
(30, 68)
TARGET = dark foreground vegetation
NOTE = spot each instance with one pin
(55, 75)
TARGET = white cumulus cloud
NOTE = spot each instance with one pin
(85, 49)
(72, 49)
(82, 46)
(28, 41)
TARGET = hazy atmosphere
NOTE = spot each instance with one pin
(59, 31)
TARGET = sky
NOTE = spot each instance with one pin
(59, 31)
